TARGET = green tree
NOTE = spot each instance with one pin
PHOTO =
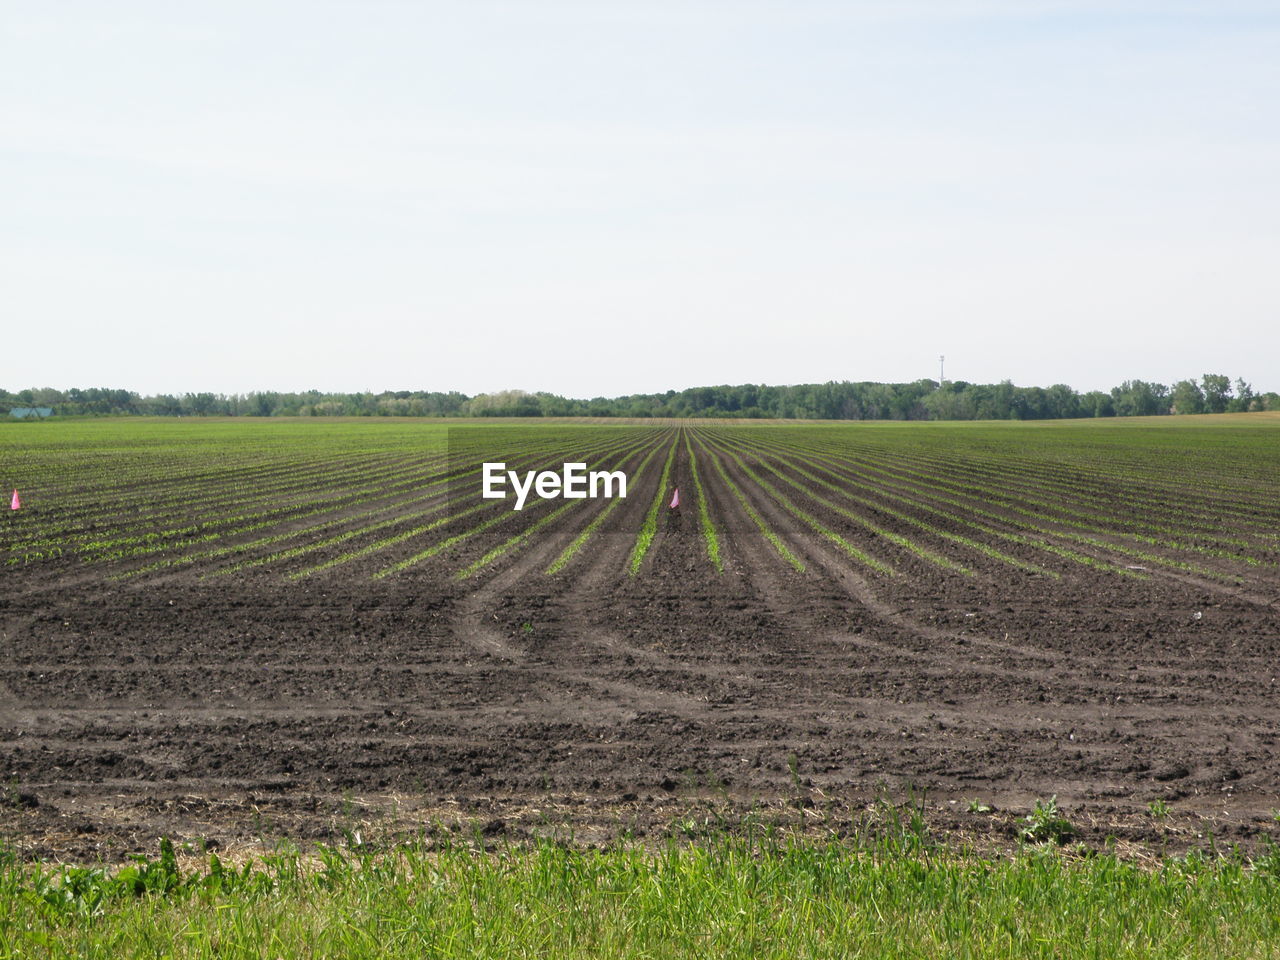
(1243, 400)
(1187, 397)
(1137, 398)
(1095, 403)
(1217, 392)
(1061, 401)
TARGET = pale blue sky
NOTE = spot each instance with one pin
(611, 197)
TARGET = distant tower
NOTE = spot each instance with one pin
(941, 365)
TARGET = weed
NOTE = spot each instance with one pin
(793, 768)
(1045, 824)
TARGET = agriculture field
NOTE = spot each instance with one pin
(240, 629)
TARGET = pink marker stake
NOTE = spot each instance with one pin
(16, 503)
(675, 501)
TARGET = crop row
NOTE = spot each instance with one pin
(892, 501)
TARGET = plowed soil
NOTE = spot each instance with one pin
(246, 708)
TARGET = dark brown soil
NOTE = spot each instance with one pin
(250, 707)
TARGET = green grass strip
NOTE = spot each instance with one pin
(727, 900)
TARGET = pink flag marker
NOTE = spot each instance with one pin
(16, 503)
(675, 501)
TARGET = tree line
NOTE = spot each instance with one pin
(920, 400)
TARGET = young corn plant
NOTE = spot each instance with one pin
(708, 528)
(649, 529)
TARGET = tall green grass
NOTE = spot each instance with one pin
(730, 899)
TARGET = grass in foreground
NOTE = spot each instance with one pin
(729, 898)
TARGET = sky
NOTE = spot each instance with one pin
(617, 196)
